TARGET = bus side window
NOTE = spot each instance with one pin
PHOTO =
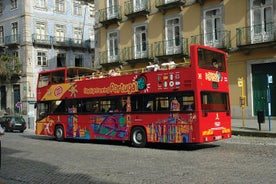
(58, 77)
(44, 80)
(188, 102)
(149, 106)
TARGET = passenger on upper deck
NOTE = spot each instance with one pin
(169, 65)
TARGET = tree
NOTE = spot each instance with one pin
(10, 67)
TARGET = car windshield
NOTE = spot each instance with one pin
(16, 119)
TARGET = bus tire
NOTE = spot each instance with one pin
(138, 137)
(59, 133)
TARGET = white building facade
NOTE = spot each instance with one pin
(42, 34)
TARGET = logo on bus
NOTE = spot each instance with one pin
(58, 91)
(142, 82)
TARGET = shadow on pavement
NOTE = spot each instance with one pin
(161, 146)
(21, 170)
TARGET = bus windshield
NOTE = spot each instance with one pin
(211, 60)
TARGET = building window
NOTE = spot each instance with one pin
(40, 30)
(40, 4)
(113, 46)
(3, 98)
(213, 27)
(60, 33)
(14, 32)
(1, 6)
(140, 42)
(262, 20)
(61, 60)
(91, 34)
(173, 42)
(13, 4)
(77, 35)
(42, 58)
(77, 8)
(15, 57)
(139, 5)
(1, 35)
(60, 6)
(112, 9)
(79, 60)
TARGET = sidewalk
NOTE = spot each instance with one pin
(251, 127)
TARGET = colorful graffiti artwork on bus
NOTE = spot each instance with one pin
(110, 126)
(74, 129)
(174, 129)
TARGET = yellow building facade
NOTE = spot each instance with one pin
(132, 33)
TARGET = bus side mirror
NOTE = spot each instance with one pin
(35, 105)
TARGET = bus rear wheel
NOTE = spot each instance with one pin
(138, 137)
(59, 133)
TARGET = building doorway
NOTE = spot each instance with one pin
(259, 82)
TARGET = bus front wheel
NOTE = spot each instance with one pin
(138, 137)
(59, 133)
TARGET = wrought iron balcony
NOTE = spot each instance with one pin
(256, 35)
(109, 57)
(76, 43)
(164, 5)
(135, 9)
(110, 15)
(60, 41)
(171, 48)
(72, 43)
(12, 40)
(137, 53)
(41, 39)
(219, 39)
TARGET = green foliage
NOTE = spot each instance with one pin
(10, 67)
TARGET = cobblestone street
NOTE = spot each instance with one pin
(27, 158)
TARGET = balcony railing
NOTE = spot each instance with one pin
(73, 43)
(261, 33)
(171, 47)
(163, 5)
(12, 39)
(220, 39)
(76, 42)
(109, 57)
(60, 41)
(42, 39)
(109, 15)
(134, 9)
(138, 52)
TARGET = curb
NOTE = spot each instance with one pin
(253, 133)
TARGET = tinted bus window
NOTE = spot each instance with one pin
(58, 77)
(214, 101)
(211, 60)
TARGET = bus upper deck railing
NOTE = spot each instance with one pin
(119, 72)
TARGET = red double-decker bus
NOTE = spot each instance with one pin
(188, 103)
